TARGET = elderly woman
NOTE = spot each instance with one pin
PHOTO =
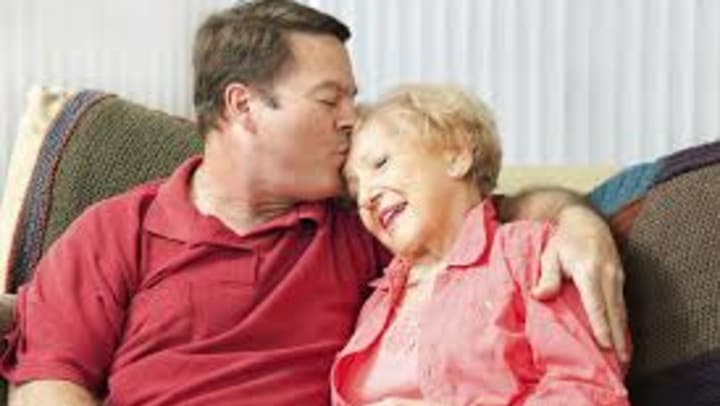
(452, 321)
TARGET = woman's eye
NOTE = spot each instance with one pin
(329, 102)
(380, 162)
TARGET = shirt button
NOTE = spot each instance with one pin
(427, 373)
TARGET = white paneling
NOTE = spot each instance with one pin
(138, 49)
(707, 69)
(572, 81)
(581, 81)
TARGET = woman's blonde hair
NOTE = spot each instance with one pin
(444, 117)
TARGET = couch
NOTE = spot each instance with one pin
(75, 148)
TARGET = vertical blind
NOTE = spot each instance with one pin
(571, 81)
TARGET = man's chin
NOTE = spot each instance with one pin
(321, 192)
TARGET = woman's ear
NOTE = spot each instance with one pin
(459, 162)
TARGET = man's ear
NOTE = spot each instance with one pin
(459, 162)
(237, 106)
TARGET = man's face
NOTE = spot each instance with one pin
(303, 139)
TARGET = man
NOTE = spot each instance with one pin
(237, 279)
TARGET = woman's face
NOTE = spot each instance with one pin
(401, 185)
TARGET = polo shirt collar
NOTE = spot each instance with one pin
(173, 215)
(476, 236)
(394, 276)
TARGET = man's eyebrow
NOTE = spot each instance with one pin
(332, 85)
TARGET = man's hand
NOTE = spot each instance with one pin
(583, 249)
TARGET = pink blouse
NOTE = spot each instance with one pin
(480, 338)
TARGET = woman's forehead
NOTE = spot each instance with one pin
(389, 123)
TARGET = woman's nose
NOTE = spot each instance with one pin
(368, 197)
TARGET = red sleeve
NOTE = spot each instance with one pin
(69, 317)
(574, 370)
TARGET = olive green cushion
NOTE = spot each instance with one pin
(98, 146)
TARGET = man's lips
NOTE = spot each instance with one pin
(342, 154)
(343, 149)
(388, 214)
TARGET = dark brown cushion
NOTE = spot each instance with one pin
(667, 217)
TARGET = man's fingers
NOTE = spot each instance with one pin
(593, 301)
(613, 284)
(550, 280)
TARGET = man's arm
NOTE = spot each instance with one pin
(538, 203)
(51, 392)
(71, 314)
(582, 249)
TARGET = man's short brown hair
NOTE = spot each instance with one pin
(248, 44)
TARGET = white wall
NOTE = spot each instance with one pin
(573, 81)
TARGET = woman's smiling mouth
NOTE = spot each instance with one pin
(388, 214)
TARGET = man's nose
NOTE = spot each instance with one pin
(347, 116)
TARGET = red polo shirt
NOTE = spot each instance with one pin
(146, 301)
